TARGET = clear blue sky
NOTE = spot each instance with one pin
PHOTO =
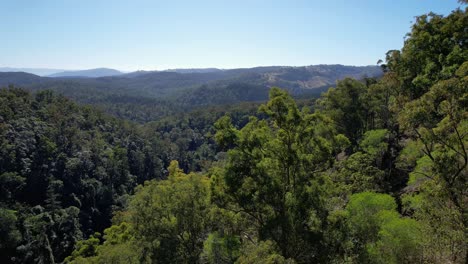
(132, 35)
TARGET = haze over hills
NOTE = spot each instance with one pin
(36, 71)
(45, 72)
(195, 70)
(91, 73)
(19, 78)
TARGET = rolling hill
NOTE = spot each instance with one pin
(152, 94)
(36, 71)
(91, 73)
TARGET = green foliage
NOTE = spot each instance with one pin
(444, 239)
(11, 185)
(358, 173)
(189, 138)
(271, 174)
(434, 49)
(399, 242)
(85, 248)
(220, 249)
(347, 105)
(364, 211)
(118, 247)
(380, 235)
(374, 143)
(9, 234)
(436, 121)
(226, 135)
(169, 217)
(63, 168)
(48, 235)
(263, 252)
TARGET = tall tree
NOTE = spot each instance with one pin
(272, 175)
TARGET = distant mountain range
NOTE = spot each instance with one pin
(159, 83)
(92, 73)
(187, 88)
(98, 72)
(36, 71)
(201, 70)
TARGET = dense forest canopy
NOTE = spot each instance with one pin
(373, 171)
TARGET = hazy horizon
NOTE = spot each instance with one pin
(3, 68)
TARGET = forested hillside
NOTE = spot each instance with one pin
(64, 169)
(148, 96)
(373, 171)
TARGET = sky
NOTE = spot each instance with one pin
(155, 35)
